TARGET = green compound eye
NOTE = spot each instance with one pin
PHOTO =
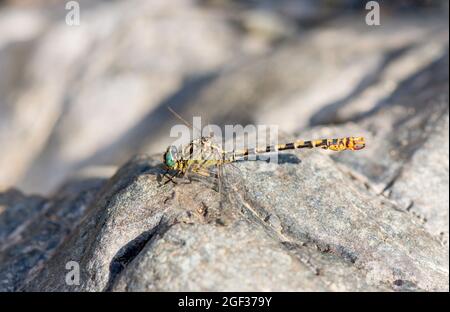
(169, 158)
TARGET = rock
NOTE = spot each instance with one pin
(295, 226)
(312, 222)
(33, 228)
(319, 204)
(371, 220)
(421, 187)
(16, 211)
(407, 154)
(120, 214)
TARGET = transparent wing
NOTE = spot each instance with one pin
(232, 185)
(205, 175)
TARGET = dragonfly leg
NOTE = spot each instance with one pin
(171, 178)
(161, 178)
(219, 175)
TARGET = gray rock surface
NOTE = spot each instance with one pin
(322, 231)
(33, 228)
(311, 222)
(407, 159)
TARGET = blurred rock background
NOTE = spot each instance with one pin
(90, 96)
(77, 102)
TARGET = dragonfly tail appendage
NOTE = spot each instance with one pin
(349, 143)
(342, 144)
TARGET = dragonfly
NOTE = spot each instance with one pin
(202, 154)
(205, 159)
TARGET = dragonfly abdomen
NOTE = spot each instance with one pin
(349, 143)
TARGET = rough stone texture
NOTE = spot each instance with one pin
(407, 156)
(372, 220)
(324, 231)
(34, 239)
(422, 185)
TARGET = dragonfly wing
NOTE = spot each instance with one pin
(206, 175)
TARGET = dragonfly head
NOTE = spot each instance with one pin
(170, 157)
(356, 143)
